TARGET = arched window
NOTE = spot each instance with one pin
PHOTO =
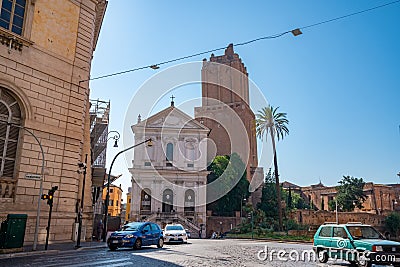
(168, 201)
(189, 203)
(145, 201)
(170, 152)
(10, 116)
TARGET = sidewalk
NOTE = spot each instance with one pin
(53, 248)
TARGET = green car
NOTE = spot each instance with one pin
(357, 243)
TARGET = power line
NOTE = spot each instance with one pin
(156, 66)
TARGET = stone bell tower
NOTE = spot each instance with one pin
(225, 92)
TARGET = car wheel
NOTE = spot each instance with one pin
(322, 256)
(160, 243)
(138, 244)
(112, 247)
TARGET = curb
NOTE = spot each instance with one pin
(45, 252)
(25, 254)
(276, 240)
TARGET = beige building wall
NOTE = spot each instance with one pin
(114, 207)
(42, 69)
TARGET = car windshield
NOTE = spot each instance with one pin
(364, 232)
(173, 227)
(131, 226)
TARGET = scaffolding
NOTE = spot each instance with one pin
(99, 118)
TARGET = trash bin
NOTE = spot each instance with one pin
(12, 232)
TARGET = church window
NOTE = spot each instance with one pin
(12, 14)
(170, 152)
(10, 119)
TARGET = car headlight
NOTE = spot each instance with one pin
(182, 234)
(168, 234)
(377, 248)
(129, 236)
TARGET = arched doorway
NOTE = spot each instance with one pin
(168, 200)
(145, 202)
(189, 203)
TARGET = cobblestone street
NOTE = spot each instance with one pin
(198, 252)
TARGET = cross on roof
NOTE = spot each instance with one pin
(172, 100)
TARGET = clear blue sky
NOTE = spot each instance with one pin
(338, 82)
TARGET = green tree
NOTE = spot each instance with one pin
(231, 166)
(392, 223)
(350, 193)
(270, 121)
(268, 202)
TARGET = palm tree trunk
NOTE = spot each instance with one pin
(277, 183)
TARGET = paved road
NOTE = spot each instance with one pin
(198, 252)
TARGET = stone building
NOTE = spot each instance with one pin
(128, 205)
(46, 49)
(226, 111)
(114, 206)
(380, 197)
(169, 178)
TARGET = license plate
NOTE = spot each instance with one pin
(115, 241)
(175, 238)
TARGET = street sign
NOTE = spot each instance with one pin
(33, 176)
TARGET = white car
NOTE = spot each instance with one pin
(175, 233)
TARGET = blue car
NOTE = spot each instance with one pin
(136, 235)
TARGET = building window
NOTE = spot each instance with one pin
(116, 203)
(111, 190)
(111, 203)
(170, 152)
(9, 134)
(12, 14)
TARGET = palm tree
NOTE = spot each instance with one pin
(270, 121)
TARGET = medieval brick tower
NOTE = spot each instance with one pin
(225, 98)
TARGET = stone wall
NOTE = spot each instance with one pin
(44, 76)
(316, 218)
(221, 224)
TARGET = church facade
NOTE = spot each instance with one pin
(169, 178)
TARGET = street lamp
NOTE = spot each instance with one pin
(115, 137)
(80, 213)
(241, 207)
(149, 143)
(35, 238)
(337, 216)
(336, 204)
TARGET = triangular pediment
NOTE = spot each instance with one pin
(171, 117)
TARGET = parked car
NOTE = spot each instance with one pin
(187, 233)
(136, 235)
(175, 233)
(357, 243)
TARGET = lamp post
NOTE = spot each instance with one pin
(243, 199)
(35, 238)
(80, 213)
(336, 204)
(148, 141)
(337, 216)
(115, 137)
